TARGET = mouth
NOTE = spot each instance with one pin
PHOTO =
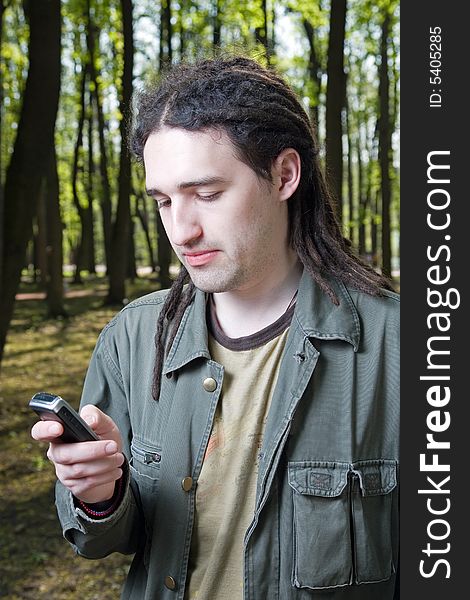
(197, 259)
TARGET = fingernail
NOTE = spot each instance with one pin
(111, 448)
(53, 429)
(90, 419)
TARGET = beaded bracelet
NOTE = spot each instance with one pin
(101, 514)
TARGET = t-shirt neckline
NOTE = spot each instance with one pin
(247, 342)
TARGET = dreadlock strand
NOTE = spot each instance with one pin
(167, 313)
(182, 306)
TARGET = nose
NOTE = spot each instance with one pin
(185, 225)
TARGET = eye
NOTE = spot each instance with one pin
(208, 197)
(162, 203)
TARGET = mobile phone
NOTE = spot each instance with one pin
(51, 407)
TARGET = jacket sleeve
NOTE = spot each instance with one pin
(123, 530)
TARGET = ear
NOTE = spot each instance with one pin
(286, 173)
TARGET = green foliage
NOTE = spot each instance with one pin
(192, 32)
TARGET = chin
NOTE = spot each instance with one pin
(210, 289)
(211, 286)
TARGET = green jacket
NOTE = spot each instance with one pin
(326, 514)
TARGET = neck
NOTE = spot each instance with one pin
(244, 312)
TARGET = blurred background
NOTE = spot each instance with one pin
(78, 236)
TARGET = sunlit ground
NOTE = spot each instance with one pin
(35, 562)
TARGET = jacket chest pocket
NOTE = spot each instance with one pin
(145, 471)
(342, 528)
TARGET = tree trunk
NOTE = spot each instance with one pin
(35, 133)
(117, 268)
(334, 101)
(273, 29)
(161, 39)
(35, 252)
(261, 33)
(169, 31)
(91, 265)
(142, 214)
(48, 240)
(131, 260)
(166, 34)
(352, 216)
(374, 230)
(80, 248)
(2, 195)
(315, 72)
(182, 33)
(216, 24)
(40, 236)
(106, 204)
(396, 93)
(361, 198)
(54, 253)
(385, 150)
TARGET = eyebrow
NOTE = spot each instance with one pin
(184, 185)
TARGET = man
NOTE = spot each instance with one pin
(250, 447)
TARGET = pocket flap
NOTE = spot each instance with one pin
(376, 477)
(318, 478)
(145, 454)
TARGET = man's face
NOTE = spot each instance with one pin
(228, 227)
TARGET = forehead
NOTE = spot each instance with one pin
(172, 156)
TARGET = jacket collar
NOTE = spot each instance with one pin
(320, 318)
(315, 314)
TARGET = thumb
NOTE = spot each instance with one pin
(101, 424)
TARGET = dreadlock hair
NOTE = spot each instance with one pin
(261, 116)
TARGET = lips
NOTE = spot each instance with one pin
(197, 259)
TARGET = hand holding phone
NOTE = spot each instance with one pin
(89, 469)
(51, 407)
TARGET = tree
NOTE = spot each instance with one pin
(350, 179)
(2, 197)
(335, 100)
(80, 250)
(117, 269)
(142, 214)
(166, 34)
(217, 24)
(385, 145)
(105, 201)
(261, 33)
(315, 70)
(54, 256)
(34, 134)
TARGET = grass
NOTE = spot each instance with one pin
(47, 355)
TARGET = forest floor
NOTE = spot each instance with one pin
(36, 563)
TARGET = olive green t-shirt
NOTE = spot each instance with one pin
(226, 488)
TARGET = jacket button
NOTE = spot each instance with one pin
(209, 384)
(187, 484)
(170, 583)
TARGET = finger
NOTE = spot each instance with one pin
(80, 486)
(81, 451)
(46, 431)
(101, 423)
(89, 469)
